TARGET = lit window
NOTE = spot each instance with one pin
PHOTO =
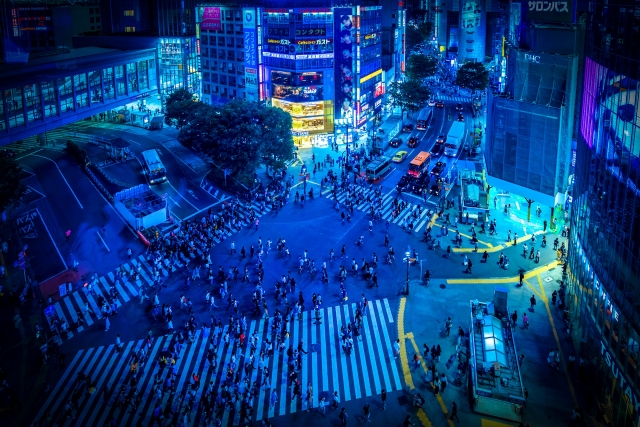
(128, 13)
(129, 29)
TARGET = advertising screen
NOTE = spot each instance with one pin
(211, 19)
(301, 109)
(344, 63)
(316, 123)
(298, 93)
(610, 122)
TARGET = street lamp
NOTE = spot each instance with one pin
(407, 254)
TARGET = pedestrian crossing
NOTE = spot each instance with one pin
(86, 303)
(368, 370)
(461, 99)
(419, 217)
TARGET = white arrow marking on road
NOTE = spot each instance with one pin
(176, 203)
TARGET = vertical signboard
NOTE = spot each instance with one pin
(345, 32)
(211, 19)
(250, 55)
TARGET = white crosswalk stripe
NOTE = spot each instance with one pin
(419, 217)
(366, 371)
(461, 99)
(67, 307)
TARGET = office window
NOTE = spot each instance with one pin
(128, 13)
(97, 19)
(129, 29)
(92, 20)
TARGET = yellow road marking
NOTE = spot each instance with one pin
(489, 245)
(422, 416)
(555, 334)
(404, 361)
(531, 273)
(409, 336)
(490, 423)
(501, 247)
(526, 282)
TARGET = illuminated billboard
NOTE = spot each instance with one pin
(344, 63)
(298, 93)
(300, 109)
(550, 11)
(310, 124)
(211, 19)
(610, 122)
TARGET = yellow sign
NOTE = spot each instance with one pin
(370, 76)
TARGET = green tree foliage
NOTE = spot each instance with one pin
(410, 95)
(426, 30)
(412, 37)
(11, 189)
(473, 75)
(240, 136)
(181, 108)
(420, 67)
(78, 153)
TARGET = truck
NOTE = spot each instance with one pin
(455, 138)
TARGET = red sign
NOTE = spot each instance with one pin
(211, 19)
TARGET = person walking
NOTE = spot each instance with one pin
(366, 413)
(396, 349)
(407, 421)
(273, 399)
(521, 277)
(525, 321)
(118, 343)
(321, 406)
(383, 396)
(336, 400)
(106, 323)
(532, 300)
(454, 412)
(343, 417)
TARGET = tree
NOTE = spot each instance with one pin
(409, 95)
(473, 75)
(420, 67)
(241, 136)
(181, 107)
(426, 30)
(11, 188)
(413, 37)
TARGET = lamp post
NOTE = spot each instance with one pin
(407, 254)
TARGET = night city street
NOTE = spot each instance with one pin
(308, 212)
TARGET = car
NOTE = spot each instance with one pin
(437, 150)
(412, 142)
(439, 104)
(431, 103)
(407, 128)
(459, 107)
(438, 168)
(441, 139)
(460, 118)
(404, 182)
(399, 156)
(435, 190)
(418, 185)
(395, 142)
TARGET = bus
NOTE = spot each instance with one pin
(424, 119)
(153, 167)
(420, 164)
(377, 168)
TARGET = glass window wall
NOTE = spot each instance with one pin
(2, 119)
(95, 79)
(108, 81)
(82, 96)
(120, 83)
(32, 98)
(50, 98)
(14, 104)
(132, 78)
(143, 74)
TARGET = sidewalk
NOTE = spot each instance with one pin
(551, 395)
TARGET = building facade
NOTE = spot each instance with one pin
(604, 244)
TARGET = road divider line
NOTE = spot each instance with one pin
(103, 242)
(527, 275)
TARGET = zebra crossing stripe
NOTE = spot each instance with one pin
(354, 367)
(306, 316)
(98, 383)
(346, 394)
(314, 365)
(332, 351)
(389, 346)
(323, 349)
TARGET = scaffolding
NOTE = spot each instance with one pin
(141, 207)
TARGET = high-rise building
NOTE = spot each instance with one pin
(318, 62)
(604, 244)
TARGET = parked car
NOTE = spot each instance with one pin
(437, 150)
(441, 139)
(395, 142)
(412, 142)
(438, 168)
(399, 156)
(407, 128)
(439, 104)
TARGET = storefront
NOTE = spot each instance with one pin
(608, 343)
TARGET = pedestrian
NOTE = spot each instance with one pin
(544, 225)
(416, 360)
(532, 300)
(343, 417)
(366, 413)
(129, 253)
(233, 247)
(384, 399)
(407, 421)
(396, 349)
(106, 322)
(118, 343)
(443, 382)
(321, 406)
(336, 400)
(274, 398)
(454, 412)
(521, 277)
(525, 321)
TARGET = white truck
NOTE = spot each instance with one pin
(455, 138)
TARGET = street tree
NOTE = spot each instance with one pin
(426, 30)
(409, 95)
(419, 67)
(11, 188)
(276, 140)
(181, 107)
(473, 75)
(413, 37)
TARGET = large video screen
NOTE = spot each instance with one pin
(298, 93)
(610, 122)
(344, 59)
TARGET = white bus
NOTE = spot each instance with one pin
(377, 168)
(424, 119)
(153, 167)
